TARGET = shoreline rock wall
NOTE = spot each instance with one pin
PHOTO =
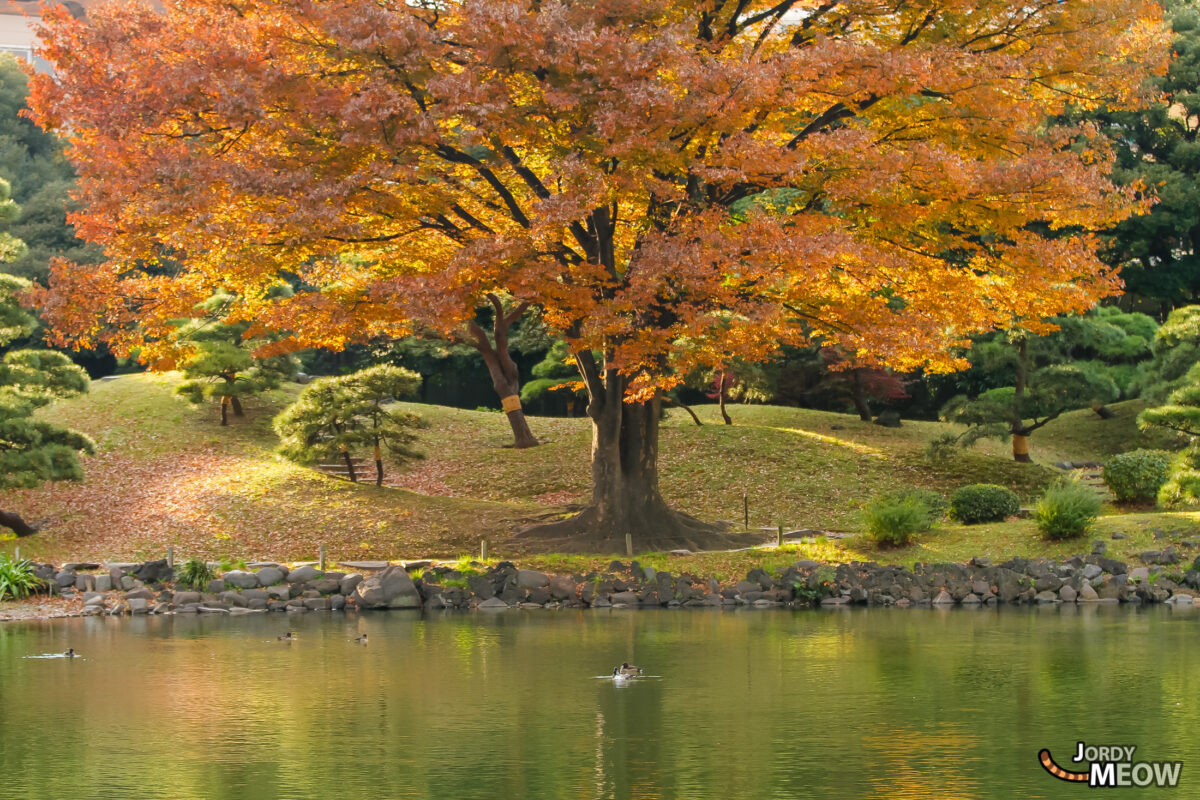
(149, 588)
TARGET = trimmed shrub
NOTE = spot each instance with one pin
(1066, 511)
(1136, 476)
(983, 502)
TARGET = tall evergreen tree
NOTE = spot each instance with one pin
(1157, 145)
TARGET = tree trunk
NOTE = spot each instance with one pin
(625, 492)
(859, 396)
(721, 389)
(14, 522)
(237, 406)
(1020, 434)
(1103, 411)
(349, 465)
(506, 379)
(686, 408)
(378, 466)
(1020, 446)
(225, 409)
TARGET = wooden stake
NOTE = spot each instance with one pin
(171, 557)
(629, 545)
(322, 557)
(779, 538)
(17, 554)
(746, 510)
(483, 554)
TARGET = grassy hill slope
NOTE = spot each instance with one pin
(166, 473)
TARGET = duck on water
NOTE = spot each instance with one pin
(626, 670)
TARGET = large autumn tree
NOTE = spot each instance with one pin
(892, 169)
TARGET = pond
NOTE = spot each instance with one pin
(881, 703)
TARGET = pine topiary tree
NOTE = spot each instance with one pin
(1180, 414)
(335, 415)
(1176, 348)
(222, 363)
(33, 451)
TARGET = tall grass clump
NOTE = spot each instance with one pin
(17, 579)
(893, 519)
(1066, 511)
(194, 574)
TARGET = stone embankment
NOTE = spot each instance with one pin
(149, 588)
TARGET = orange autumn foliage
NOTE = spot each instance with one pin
(399, 159)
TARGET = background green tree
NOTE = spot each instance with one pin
(1159, 252)
(42, 178)
(33, 451)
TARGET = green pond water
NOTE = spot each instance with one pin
(757, 704)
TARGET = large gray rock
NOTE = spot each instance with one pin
(1092, 571)
(142, 594)
(104, 583)
(389, 588)
(493, 603)
(624, 598)
(304, 574)
(327, 585)
(943, 599)
(280, 592)
(185, 598)
(349, 583)
(154, 571)
(65, 578)
(138, 605)
(532, 579)
(562, 587)
(269, 576)
(241, 579)
(1087, 594)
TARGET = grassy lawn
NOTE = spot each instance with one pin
(166, 473)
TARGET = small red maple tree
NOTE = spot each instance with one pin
(672, 182)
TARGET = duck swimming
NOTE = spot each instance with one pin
(626, 671)
(361, 639)
(71, 653)
(287, 637)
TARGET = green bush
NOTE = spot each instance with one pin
(934, 501)
(983, 502)
(892, 519)
(1066, 510)
(16, 578)
(1136, 476)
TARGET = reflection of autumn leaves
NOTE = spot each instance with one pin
(907, 763)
